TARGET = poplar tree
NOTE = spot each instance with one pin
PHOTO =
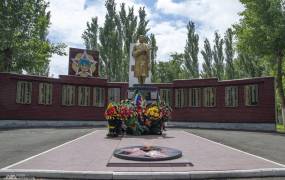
(218, 57)
(208, 60)
(153, 55)
(229, 55)
(90, 35)
(90, 38)
(142, 28)
(109, 42)
(113, 39)
(191, 51)
(129, 26)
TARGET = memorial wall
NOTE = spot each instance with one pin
(85, 98)
(83, 95)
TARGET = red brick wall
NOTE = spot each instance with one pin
(264, 112)
(9, 109)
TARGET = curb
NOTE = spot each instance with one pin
(24, 174)
(262, 127)
(9, 124)
(253, 173)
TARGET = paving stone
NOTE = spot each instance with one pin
(94, 151)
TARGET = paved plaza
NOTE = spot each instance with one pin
(90, 156)
(269, 145)
(19, 144)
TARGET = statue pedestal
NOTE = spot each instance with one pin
(149, 92)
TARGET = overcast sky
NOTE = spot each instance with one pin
(168, 20)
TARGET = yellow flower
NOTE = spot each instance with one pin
(110, 105)
(111, 127)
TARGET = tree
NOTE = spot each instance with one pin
(229, 52)
(90, 37)
(218, 57)
(111, 43)
(129, 26)
(143, 23)
(153, 54)
(172, 69)
(120, 29)
(208, 60)
(261, 31)
(248, 65)
(23, 37)
(191, 51)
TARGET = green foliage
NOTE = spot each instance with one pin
(248, 65)
(23, 37)
(280, 128)
(90, 35)
(143, 23)
(218, 57)
(128, 28)
(262, 28)
(207, 65)
(111, 49)
(261, 32)
(191, 51)
(153, 54)
(172, 69)
(120, 29)
(230, 72)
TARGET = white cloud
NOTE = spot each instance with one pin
(59, 65)
(208, 15)
(69, 18)
(68, 21)
(170, 38)
(134, 4)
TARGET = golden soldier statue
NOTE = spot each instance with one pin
(141, 53)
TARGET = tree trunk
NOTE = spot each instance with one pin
(280, 84)
(7, 59)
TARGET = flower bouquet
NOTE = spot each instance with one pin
(165, 112)
(114, 122)
(153, 113)
(129, 116)
(133, 117)
(153, 119)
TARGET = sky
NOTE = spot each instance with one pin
(167, 21)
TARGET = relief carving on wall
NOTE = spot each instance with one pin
(83, 64)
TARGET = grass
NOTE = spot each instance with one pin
(280, 128)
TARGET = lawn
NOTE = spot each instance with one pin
(280, 128)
